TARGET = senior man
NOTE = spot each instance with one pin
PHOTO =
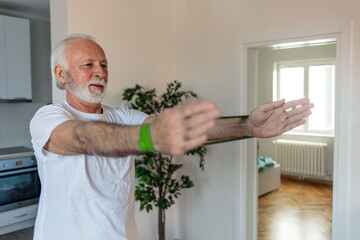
(84, 148)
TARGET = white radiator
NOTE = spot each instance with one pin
(301, 157)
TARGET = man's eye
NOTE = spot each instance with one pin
(88, 65)
(104, 65)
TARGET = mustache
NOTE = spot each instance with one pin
(97, 81)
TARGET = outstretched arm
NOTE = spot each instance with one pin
(177, 130)
(174, 131)
(267, 120)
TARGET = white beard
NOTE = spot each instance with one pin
(83, 92)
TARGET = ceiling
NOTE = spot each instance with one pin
(40, 8)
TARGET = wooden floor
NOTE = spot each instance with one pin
(299, 210)
(25, 234)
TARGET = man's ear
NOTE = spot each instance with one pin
(60, 73)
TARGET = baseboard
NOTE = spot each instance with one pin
(307, 179)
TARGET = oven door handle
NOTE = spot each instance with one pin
(12, 172)
(21, 216)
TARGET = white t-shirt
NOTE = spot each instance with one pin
(83, 196)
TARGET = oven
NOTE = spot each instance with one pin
(19, 180)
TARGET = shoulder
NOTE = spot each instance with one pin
(48, 114)
(52, 109)
(45, 120)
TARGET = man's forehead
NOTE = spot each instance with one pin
(84, 47)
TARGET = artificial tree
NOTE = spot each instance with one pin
(158, 186)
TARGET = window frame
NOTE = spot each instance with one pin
(306, 64)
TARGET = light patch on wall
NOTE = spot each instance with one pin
(309, 43)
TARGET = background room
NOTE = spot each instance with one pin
(304, 156)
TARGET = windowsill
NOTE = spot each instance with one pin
(329, 135)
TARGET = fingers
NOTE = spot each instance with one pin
(179, 129)
(299, 110)
(273, 105)
(293, 125)
(296, 112)
(199, 125)
(298, 117)
(192, 143)
(198, 107)
(199, 119)
(296, 103)
(287, 106)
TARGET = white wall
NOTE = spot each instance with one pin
(152, 42)
(266, 60)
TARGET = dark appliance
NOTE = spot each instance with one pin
(19, 180)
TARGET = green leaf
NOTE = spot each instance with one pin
(141, 207)
(150, 162)
(149, 208)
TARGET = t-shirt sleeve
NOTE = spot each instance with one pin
(128, 116)
(138, 117)
(45, 120)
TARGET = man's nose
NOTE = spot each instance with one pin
(99, 72)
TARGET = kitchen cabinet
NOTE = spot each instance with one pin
(18, 219)
(15, 60)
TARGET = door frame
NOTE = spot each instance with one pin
(245, 171)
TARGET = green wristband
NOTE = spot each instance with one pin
(145, 139)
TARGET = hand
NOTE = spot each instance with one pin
(182, 128)
(273, 119)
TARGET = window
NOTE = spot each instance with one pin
(312, 79)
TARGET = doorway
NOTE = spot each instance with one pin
(303, 70)
(248, 83)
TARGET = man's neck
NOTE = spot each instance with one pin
(83, 106)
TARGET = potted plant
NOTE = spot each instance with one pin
(158, 185)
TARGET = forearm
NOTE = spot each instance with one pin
(100, 138)
(232, 127)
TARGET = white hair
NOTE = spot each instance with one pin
(58, 54)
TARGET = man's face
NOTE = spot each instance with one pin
(83, 92)
(88, 75)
